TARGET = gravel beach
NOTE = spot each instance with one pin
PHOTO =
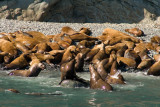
(49, 28)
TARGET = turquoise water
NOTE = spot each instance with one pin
(140, 91)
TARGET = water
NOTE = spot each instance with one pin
(140, 91)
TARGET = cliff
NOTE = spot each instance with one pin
(79, 11)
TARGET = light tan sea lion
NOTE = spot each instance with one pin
(67, 30)
(81, 36)
(114, 76)
(41, 48)
(21, 47)
(135, 31)
(126, 61)
(54, 45)
(20, 62)
(33, 71)
(96, 81)
(140, 47)
(154, 69)
(69, 54)
(111, 33)
(129, 44)
(63, 44)
(8, 47)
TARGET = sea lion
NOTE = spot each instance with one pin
(96, 81)
(126, 61)
(19, 63)
(67, 30)
(13, 90)
(33, 71)
(100, 55)
(43, 57)
(84, 30)
(155, 39)
(81, 36)
(42, 48)
(101, 69)
(2, 56)
(63, 44)
(129, 44)
(145, 64)
(140, 47)
(68, 72)
(69, 54)
(130, 53)
(21, 47)
(79, 62)
(135, 31)
(91, 54)
(6, 46)
(86, 44)
(114, 76)
(154, 69)
(54, 45)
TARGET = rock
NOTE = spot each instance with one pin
(97, 11)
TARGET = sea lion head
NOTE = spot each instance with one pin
(85, 30)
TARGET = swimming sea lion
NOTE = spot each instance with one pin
(135, 31)
(33, 71)
(96, 81)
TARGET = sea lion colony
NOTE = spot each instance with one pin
(25, 52)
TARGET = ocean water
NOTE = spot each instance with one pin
(140, 91)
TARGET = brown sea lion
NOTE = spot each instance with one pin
(126, 61)
(129, 44)
(13, 90)
(114, 76)
(130, 53)
(2, 56)
(91, 54)
(6, 46)
(43, 57)
(96, 81)
(154, 69)
(111, 33)
(54, 45)
(85, 44)
(135, 31)
(67, 30)
(21, 47)
(33, 71)
(145, 64)
(140, 47)
(100, 55)
(79, 62)
(85, 30)
(63, 44)
(155, 39)
(81, 36)
(20, 62)
(41, 48)
(69, 54)
(101, 69)
(68, 72)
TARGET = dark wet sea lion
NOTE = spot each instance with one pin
(85, 44)
(101, 69)
(2, 56)
(135, 31)
(68, 72)
(79, 62)
(155, 39)
(13, 90)
(96, 81)
(114, 76)
(33, 71)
